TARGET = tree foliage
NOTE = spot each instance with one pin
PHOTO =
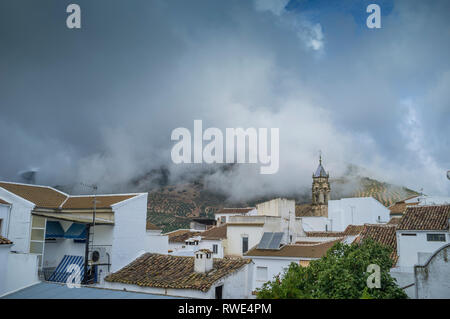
(341, 274)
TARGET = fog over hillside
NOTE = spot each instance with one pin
(99, 105)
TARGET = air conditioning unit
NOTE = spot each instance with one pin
(98, 255)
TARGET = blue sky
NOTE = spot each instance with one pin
(99, 104)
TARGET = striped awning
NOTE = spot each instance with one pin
(76, 231)
(63, 271)
(53, 230)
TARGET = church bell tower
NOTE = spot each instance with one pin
(320, 190)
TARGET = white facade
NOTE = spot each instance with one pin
(315, 223)
(4, 255)
(356, 211)
(266, 268)
(410, 243)
(156, 242)
(250, 227)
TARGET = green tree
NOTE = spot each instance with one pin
(341, 274)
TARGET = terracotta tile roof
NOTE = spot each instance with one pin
(48, 197)
(87, 202)
(304, 210)
(383, 234)
(41, 196)
(4, 202)
(181, 237)
(353, 230)
(177, 272)
(294, 250)
(323, 234)
(235, 210)
(219, 232)
(150, 226)
(394, 221)
(400, 207)
(5, 241)
(425, 218)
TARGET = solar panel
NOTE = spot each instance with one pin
(270, 240)
(275, 241)
(265, 240)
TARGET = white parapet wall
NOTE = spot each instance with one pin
(21, 272)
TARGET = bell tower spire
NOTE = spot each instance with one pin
(320, 189)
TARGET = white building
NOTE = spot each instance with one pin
(269, 263)
(347, 211)
(422, 231)
(201, 276)
(45, 225)
(222, 216)
(277, 215)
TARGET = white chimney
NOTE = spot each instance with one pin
(203, 261)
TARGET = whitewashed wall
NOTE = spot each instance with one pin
(432, 280)
(20, 221)
(208, 244)
(408, 247)
(235, 235)
(129, 232)
(22, 271)
(275, 266)
(356, 211)
(55, 250)
(157, 243)
(318, 223)
(4, 254)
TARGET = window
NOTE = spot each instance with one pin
(408, 234)
(215, 248)
(261, 274)
(37, 238)
(436, 237)
(1, 222)
(244, 244)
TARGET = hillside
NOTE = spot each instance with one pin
(172, 206)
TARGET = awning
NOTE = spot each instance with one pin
(76, 231)
(82, 219)
(62, 273)
(53, 230)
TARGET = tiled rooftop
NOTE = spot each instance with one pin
(425, 218)
(166, 271)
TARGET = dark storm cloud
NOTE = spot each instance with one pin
(99, 104)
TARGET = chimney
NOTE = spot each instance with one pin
(203, 261)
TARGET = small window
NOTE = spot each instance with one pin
(215, 248)
(244, 244)
(261, 273)
(436, 237)
(408, 234)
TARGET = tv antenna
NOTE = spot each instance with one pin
(94, 187)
